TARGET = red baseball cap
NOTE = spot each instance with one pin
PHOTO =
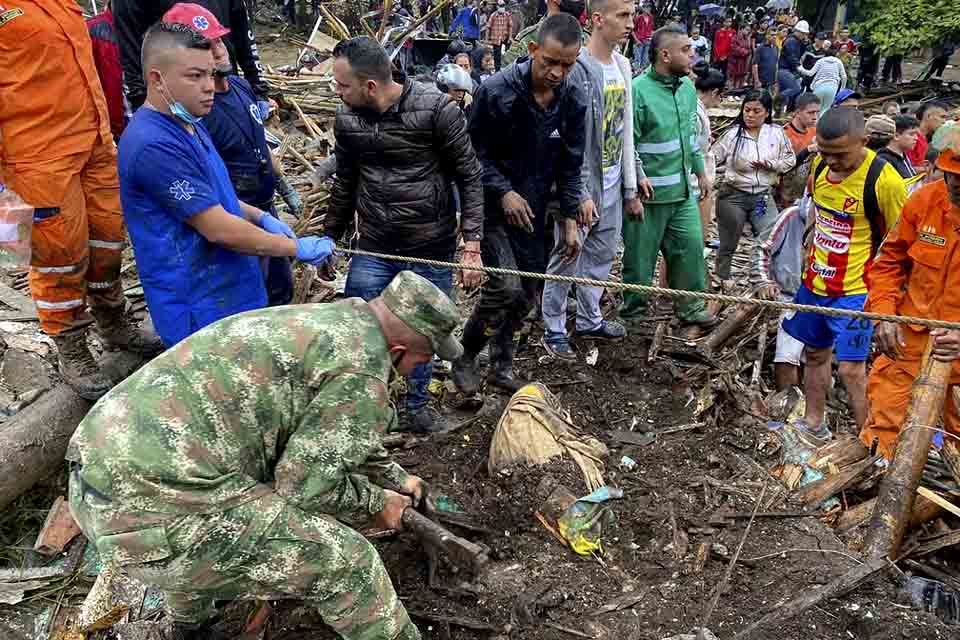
(197, 18)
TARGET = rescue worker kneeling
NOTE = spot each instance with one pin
(917, 274)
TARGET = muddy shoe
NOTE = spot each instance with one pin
(702, 319)
(813, 436)
(558, 346)
(117, 334)
(503, 378)
(466, 377)
(606, 331)
(78, 367)
(425, 420)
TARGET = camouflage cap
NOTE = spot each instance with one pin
(426, 310)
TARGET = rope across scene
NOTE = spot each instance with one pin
(669, 293)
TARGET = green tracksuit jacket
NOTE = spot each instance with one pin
(665, 135)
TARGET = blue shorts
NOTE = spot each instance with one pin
(849, 337)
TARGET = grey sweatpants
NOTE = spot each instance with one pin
(734, 210)
(598, 249)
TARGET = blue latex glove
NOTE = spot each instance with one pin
(276, 226)
(315, 250)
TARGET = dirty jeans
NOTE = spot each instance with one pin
(675, 230)
(598, 248)
(368, 278)
(789, 87)
(734, 209)
(506, 300)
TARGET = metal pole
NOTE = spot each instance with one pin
(93, 3)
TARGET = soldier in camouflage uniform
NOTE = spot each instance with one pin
(224, 467)
(519, 47)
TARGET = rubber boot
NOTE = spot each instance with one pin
(116, 333)
(502, 350)
(466, 373)
(78, 367)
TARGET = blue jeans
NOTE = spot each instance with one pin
(641, 54)
(789, 87)
(367, 279)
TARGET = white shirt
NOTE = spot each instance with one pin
(614, 99)
(771, 145)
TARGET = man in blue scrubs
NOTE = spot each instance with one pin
(235, 125)
(196, 244)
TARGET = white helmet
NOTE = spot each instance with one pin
(802, 27)
(455, 78)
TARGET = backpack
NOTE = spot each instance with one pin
(871, 204)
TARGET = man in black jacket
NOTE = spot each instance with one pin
(132, 18)
(527, 127)
(399, 149)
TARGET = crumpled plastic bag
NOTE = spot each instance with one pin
(535, 429)
(583, 522)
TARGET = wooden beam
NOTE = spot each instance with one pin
(816, 492)
(898, 487)
(936, 498)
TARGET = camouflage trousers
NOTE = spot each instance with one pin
(264, 549)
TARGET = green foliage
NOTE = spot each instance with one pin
(900, 26)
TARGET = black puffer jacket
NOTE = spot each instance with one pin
(397, 169)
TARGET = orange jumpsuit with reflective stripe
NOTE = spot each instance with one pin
(916, 274)
(59, 155)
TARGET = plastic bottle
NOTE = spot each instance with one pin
(16, 227)
(935, 597)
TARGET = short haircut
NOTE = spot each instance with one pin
(935, 104)
(367, 59)
(662, 36)
(600, 6)
(563, 28)
(841, 121)
(890, 103)
(905, 123)
(708, 78)
(804, 100)
(163, 37)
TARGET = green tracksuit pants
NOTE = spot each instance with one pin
(675, 230)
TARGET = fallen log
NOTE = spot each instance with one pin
(33, 442)
(733, 323)
(838, 454)
(839, 587)
(898, 487)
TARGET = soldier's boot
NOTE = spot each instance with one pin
(426, 420)
(78, 366)
(466, 372)
(502, 350)
(116, 333)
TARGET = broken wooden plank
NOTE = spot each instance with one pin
(731, 324)
(839, 587)
(950, 453)
(940, 542)
(21, 306)
(940, 501)
(58, 529)
(816, 492)
(923, 511)
(843, 451)
(898, 487)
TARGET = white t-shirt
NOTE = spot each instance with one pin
(614, 99)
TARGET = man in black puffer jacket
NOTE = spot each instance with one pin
(400, 148)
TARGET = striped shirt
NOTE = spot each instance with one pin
(827, 70)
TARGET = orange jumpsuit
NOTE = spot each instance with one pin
(59, 155)
(916, 274)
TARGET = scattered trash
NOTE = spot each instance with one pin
(593, 356)
(446, 504)
(535, 429)
(582, 524)
(934, 597)
(627, 463)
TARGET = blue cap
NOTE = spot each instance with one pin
(845, 94)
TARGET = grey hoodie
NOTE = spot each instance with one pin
(588, 74)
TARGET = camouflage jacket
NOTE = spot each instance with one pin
(518, 49)
(289, 400)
